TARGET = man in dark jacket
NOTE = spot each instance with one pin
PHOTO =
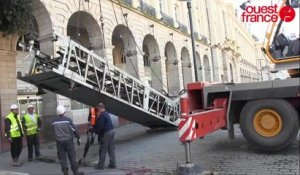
(104, 128)
(65, 130)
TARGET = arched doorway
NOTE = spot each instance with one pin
(186, 66)
(124, 51)
(40, 19)
(39, 28)
(24, 58)
(84, 29)
(207, 68)
(199, 67)
(172, 69)
(152, 62)
(31, 35)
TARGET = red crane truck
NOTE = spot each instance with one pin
(268, 111)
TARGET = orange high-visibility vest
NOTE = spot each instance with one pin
(93, 116)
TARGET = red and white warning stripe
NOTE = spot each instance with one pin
(187, 131)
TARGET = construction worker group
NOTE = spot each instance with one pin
(64, 130)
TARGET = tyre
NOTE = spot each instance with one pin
(269, 124)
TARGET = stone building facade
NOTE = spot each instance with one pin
(232, 46)
(149, 39)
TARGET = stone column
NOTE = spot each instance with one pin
(191, 61)
(215, 52)
(136, 65)
(164, 73)
(49, 99)
(214, 66)
(109, 54)
(238, 72)
(180, 74)
(226, 70)
(199, 65)
(8, 80)
(140, 66)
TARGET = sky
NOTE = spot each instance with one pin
(259, 29)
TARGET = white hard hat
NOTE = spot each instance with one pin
(13, 106)
(30, 106)
(60, 110)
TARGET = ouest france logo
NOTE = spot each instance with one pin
(270, 13)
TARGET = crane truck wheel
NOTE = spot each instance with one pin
(269, 124)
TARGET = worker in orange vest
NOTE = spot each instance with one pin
(92, 118)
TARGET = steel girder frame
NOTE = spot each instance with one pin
(80, 74)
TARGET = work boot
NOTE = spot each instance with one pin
(99, 166)
(39, 155)
(76, 172)
(16, 163)
(65, 171)
(111, 166)
(92, 140)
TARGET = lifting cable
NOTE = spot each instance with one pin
(91, 44)
(72, 82)
(78, 22)
(102, 27)
(115, 15)
(103, 37)
(102, 33)
(139, 49)
(130, 33)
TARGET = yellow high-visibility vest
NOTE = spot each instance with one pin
(15, 131)
(31, 126)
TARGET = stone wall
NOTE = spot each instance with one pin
(8, 82)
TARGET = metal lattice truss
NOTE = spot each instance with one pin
(80, 74)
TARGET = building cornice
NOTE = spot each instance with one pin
(158, 21)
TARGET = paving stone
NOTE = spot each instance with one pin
(158, 153)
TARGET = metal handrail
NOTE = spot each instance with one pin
(108, 79)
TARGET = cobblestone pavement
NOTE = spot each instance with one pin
(158, 152)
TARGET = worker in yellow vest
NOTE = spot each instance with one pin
(31, 124)
(14, 133)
